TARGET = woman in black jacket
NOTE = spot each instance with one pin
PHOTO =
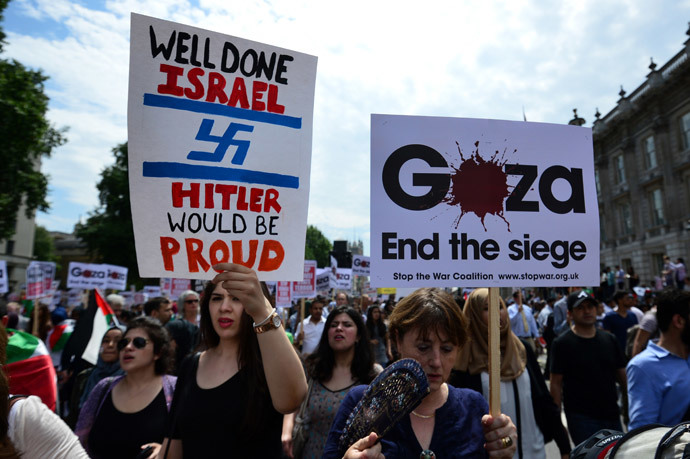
(524, 395)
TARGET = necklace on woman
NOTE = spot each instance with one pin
(423, 416)
(427, 454)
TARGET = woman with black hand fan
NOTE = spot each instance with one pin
(428, 326)
(522, 384)
(342, 359)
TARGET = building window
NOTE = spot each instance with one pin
(650, 152)
(619, 167)
(9, 248)
(625, 218)
(656, 203)
(685, 130)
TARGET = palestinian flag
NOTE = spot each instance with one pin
(57, 338)
(30, 368)
(102, 318)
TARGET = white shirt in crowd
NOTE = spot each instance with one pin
(312, 334)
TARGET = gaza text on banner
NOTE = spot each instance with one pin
(360, 265)
(220, 133)
(90, 275)
(469, 202)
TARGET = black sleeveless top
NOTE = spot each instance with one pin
(210, 421)
(120, 435)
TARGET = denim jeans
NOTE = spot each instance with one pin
(581, 426)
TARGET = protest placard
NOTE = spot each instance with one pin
(323, 277)
(4, 280)
(468, 202)
(360, 265)
(307, 287)
(152, 290)
(219, 151)
(92, 275)
(283, 292)
(39, 278)
(341, 280)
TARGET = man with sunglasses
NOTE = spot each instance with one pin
(585, 365)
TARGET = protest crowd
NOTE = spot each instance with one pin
(169, 371)
(233, 355)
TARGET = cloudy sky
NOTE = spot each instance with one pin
(471, 59)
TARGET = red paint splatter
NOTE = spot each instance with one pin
(478, 186)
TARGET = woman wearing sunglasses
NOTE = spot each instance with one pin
(125, 416)
(231, 397)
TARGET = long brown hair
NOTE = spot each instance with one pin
(7, 450)
(248, 359)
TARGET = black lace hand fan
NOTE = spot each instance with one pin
(393, 394)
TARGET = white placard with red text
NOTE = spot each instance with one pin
(283, 292)
(470, 202)
(220, 133)
(307, 287)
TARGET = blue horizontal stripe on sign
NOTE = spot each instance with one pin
(209, 108)
(225, 174)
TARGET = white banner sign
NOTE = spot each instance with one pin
(467, 202)
(152, 290)
(220, 133)
(323, 277)
(39, 278)
(283, 291)
(307, 287)
(342, 280)
(360, 265)
(90, 275)
(4, 278)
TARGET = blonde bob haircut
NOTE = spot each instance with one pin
(429, 309)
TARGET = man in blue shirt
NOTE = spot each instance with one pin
(659, 377)
(622, 318)
(522, 321)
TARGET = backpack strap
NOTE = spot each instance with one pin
(630, 435)
(670, 437)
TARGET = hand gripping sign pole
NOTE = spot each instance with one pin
(494, 353)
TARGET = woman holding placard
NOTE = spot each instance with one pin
(230, 399)
(428, 326)
(522, 384)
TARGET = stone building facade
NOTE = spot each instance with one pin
(642, 166)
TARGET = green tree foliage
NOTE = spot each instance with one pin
(25, 137)
(108, 232)
(317, 247)
(44, 246)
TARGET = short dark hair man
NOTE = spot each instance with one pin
(159, 308)
(585, 365)
(309, 331)
(659, 377)
(618, 321)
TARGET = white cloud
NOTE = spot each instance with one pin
(447, 58)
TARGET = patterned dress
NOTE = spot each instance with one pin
(321, 409)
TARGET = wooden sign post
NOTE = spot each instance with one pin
(494, 353)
